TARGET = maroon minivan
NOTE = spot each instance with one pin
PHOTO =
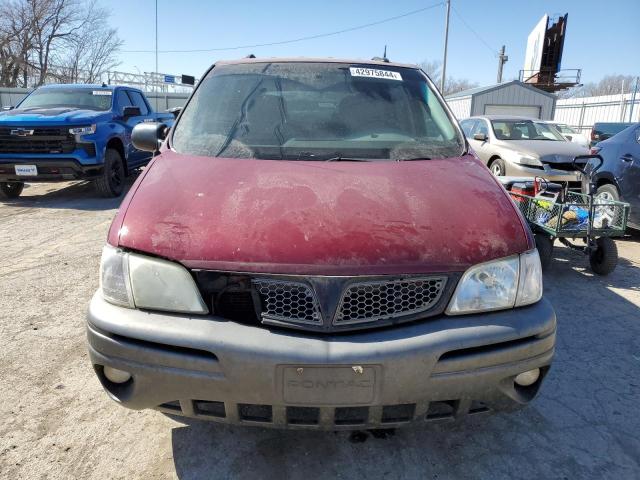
(316, 247)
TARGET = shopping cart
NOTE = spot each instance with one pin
(570, 216)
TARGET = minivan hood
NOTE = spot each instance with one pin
(309, 217)
(46, 116)
(547, 150)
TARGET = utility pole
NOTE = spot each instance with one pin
(502, 59)
(633, 100)
(446, 43)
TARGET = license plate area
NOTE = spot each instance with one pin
(26, 170)
(329, 385)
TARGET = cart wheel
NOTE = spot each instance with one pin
(605, 258)
(544, 244)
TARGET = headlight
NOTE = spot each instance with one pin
(521, 159)
(138, 281)
(509, 282)
(88, 130)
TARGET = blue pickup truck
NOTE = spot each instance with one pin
(73, 132)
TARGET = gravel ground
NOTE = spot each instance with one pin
(56, 422)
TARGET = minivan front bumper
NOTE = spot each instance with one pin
(210, 368)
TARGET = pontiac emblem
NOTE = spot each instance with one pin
(21, 132)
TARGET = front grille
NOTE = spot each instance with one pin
(322, 416)
(564, 166)
(321, 303)
(288, 301)
(42, 140)
(373, 301)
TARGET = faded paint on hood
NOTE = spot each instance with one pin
(347, 218)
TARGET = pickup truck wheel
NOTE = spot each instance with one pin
(11, 189)
(604, 259)
(498, 167)
(111, 182)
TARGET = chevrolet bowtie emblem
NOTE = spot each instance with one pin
(21, 132)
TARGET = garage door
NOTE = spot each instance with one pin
(532, 111)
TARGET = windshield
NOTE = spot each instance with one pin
(566, 130)
(83, 98)
(316, 111)
(525, 130)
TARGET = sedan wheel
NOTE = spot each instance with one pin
(498, 167)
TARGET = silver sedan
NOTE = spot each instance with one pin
(522, 147)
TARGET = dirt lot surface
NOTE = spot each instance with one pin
(56, 422)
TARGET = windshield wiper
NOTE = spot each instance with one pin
(412, 159)
(347, 159)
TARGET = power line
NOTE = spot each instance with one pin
(494, 51)
(300, 39)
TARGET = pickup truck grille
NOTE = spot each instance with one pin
(325, 304)
(36, 140)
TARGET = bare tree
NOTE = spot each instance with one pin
(16, 42)
(608, 85)
(92, 51)
(60, 40)
(451, 85)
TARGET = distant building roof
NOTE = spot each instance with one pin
(476, 90)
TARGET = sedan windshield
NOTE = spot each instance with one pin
(316, 111)
(525, 130)
(84, 98)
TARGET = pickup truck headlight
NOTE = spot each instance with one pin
(88, 130)
(509, 282)
(138, 281)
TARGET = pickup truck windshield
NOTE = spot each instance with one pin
(525, 130)
(83, 98)
(316, 111)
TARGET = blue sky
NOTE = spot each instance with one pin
(601, 36)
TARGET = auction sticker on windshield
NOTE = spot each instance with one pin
(102, 92)
(374, 73)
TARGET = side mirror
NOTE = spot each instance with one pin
(128, 112)
(6, 108)
(568, 137)
(175, 111)
(481, 137)
(148, 136)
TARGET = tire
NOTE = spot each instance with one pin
(544, 244)
(607, 192)
(111, 182)
(604, 259)
(497, 167)
(11, 189)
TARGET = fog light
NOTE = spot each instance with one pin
(116, 376)
(528, 378)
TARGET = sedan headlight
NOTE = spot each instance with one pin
(522, 159)
(138, 281)
(509, 282)
(88, 130)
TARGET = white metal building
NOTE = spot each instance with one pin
(509, 98)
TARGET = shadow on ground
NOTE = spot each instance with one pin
(78, 195)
